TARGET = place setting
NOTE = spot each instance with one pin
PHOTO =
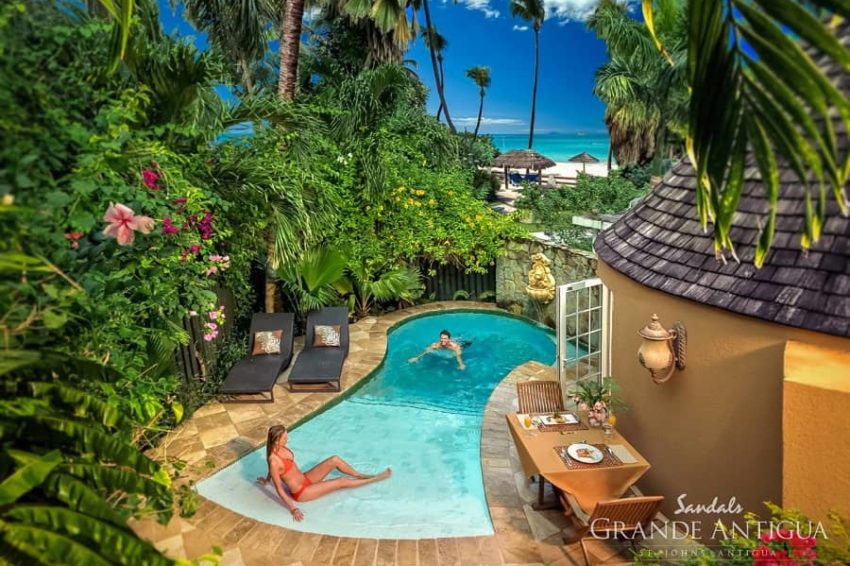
(582, 455)
(552, 422)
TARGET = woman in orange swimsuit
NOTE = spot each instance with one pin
(311, 484)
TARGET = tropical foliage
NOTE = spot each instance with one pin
(125, 187)
(71, 476)
(554, 208)
(755, 87)
(644, 90)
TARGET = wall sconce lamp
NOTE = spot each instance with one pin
(662, 351)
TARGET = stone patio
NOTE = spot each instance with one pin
(220, 433)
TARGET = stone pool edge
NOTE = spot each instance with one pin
(219, 434)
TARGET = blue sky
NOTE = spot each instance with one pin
(482, 32)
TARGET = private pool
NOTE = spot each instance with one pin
(423, 420)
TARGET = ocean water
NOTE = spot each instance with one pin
(557, 147)
(423, 420)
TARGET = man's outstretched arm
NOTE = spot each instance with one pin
(459, 359)
(415, 359)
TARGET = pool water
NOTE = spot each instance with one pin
(422, 419)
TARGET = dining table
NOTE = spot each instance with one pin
(542, 451)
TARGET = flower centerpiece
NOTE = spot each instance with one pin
(597, 397)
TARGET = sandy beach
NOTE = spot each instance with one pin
(564, 169)
(569, 170)
(562, 173)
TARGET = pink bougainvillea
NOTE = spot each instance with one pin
(219, 263)
(217, 318)
(150, 178)
(168, 226)
(784, 548)
(73, 238)
(123, 223)
(205, 226)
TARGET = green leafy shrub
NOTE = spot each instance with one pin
(554, 209)
(70, 474)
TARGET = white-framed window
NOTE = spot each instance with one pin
(584, 337)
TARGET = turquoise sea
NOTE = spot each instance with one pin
(558, 147)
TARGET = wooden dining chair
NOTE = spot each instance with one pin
(536, 397)
(626, 517)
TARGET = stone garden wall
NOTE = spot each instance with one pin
(568, 265)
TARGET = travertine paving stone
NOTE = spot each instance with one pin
(220, 433)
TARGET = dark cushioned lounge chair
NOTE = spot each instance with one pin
(320, 369)
(257, 375)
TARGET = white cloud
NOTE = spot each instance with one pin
(481, 6)
(520, 28)
(572, 10)
(470, 120)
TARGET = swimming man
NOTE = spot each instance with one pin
(445, 343)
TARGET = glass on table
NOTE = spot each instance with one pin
(608, 424)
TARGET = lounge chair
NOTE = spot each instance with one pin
(627, 517)
(319, 368)
(257, 374)
(532, 178)
(515, 178)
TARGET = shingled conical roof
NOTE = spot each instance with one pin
(660, 243)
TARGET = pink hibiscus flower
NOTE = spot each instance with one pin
(123, 223)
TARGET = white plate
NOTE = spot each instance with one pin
(585, 453)
(566, 418)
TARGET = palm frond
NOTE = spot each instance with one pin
(779, 104)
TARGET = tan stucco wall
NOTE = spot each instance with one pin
(715, 429)
(816, 430)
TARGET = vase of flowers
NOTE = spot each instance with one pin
(597, 398)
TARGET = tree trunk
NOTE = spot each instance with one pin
(480, 112)
(290, 43)
(610, 154)
(435, 66)
(534, 85)
(271, 280)
(534, 88)
(442, 82)
(245, 71)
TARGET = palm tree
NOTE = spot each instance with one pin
(432, 44)
(440, 43)
(773, 100)
(481, 77)
(383, 24)
(236, 30)
(645, 91)
(364, 287)
(312, 280)
(535, 12)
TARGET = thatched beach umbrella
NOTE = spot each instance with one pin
(584, 158)
(522, 159)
